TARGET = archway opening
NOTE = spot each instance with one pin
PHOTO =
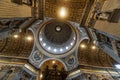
(51, 63)
(53, 70)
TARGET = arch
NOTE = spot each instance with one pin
(54, 59)
(84, 38)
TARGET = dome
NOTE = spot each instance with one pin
(57, 37)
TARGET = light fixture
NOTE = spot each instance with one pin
(71, 44)
(93, 47)
(49, 48)
(74, 38)
(61, 50)
(66, 47)
(83, 46)
(44, 44)
(15, 36)
(117, 66)
(55, 50)
(53, 62)
(62, 12)
(29, 38)
(94, 42)
(41, 76)
(41, 39)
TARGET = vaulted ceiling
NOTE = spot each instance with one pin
(76, 8)
(20, 48)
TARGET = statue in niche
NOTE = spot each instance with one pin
(46, 73)
(63, 74)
